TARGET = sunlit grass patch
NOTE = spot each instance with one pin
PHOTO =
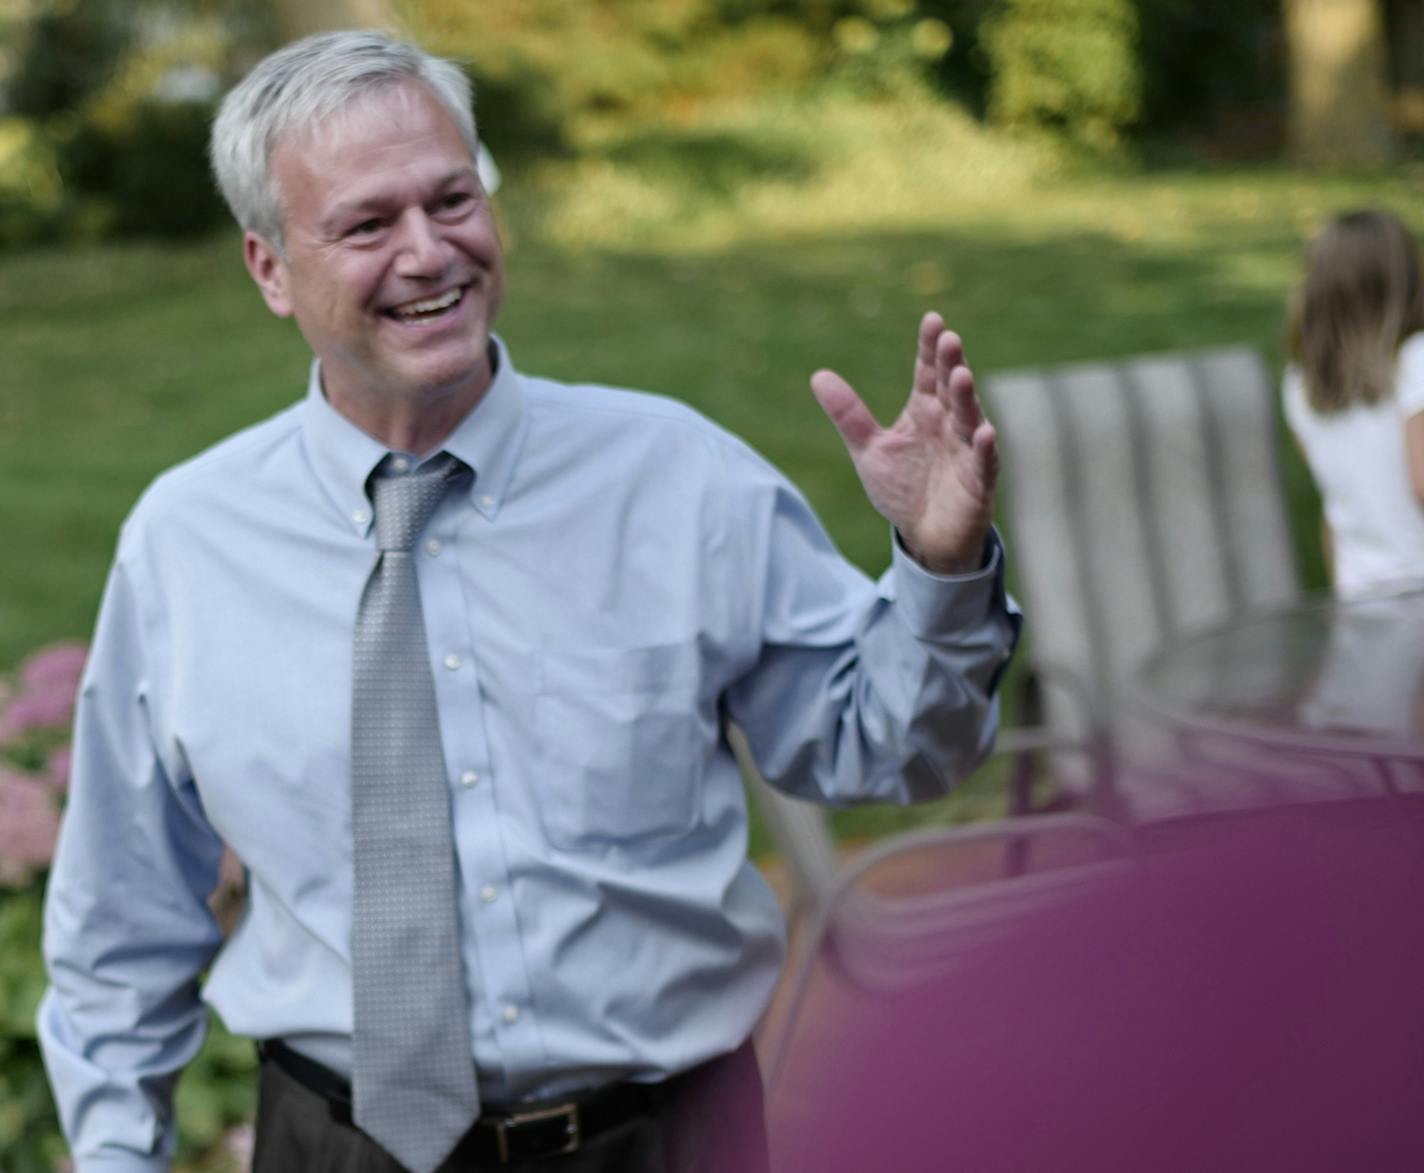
(791, 166)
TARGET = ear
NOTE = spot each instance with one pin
(269, 270)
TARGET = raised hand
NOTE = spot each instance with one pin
(931, 474)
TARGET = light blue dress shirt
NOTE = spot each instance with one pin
(621, 578)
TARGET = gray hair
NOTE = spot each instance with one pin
(298, 86)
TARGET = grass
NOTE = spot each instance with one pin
(753, 266)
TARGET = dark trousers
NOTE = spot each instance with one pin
(711, 1121)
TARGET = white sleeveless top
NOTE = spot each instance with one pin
(1361, 468)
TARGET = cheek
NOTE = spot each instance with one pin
(479, 238)
(354, 287)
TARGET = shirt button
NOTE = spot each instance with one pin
(432, 546)
(511, 1013)
(488, 893)
(452, 661)
(487, 502)
(361, 517)
(400, 464)
(469, 778)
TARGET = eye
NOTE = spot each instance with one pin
(366, 227)
(455, 201)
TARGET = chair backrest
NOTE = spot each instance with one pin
(1144, 499)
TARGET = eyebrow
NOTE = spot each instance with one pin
(345, 209)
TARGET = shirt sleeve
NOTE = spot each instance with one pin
(127, 928)
(1409, 377)
(870, 691)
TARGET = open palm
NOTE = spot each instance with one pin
(932, 472)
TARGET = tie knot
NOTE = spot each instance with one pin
(403, 502)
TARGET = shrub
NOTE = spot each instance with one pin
(1066, 65)
(148, 171)
(215, 1096)
(32, 195)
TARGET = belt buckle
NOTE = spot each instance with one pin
(515, 1120)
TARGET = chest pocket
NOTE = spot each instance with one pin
(622, 743)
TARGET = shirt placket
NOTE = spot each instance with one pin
(506, 1030)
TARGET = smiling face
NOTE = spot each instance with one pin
(393, 269)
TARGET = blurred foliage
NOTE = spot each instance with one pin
(148, 167)
(1065, 65)
(216, 1094)
(655, 58)
(68, 53)
(29, 1127)
(104, 103)
(107, 107)
(32, 196)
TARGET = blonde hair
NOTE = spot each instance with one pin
(1361, 298)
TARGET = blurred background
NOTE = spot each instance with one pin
(707, 198)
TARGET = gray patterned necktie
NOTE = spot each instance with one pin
(413, 1076)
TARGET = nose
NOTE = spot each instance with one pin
(421, 251)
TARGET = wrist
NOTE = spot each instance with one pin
(947, 562)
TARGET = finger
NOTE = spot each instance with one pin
(846, 409)
(926, 376)
(986, 455)
(948, 355)
(960, 402)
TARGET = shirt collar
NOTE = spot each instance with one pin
(489, 439)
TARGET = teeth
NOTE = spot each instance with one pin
(429, 306)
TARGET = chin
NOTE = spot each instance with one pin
(448, 376)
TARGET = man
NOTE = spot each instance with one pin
(440, 601)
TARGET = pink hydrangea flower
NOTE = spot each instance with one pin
(48, 683)
(55, 666)
(29, 823)
(239, 1143)
(58, 767)
(44, 707)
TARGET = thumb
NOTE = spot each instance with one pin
(846, 409)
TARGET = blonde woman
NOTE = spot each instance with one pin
(1354, 397)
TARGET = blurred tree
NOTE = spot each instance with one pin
(965, 71)
(1404, 32)
(1215, 67)
(1338, 81)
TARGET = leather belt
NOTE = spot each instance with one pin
(521, 1132)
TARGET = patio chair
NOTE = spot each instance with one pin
(1144, 500)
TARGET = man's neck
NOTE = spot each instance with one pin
(418, 426)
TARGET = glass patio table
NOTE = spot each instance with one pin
(1330, 678)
